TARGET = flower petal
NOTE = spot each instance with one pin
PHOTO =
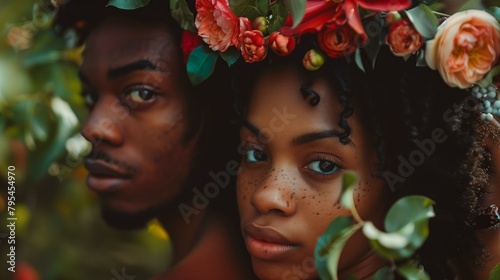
(384, 5)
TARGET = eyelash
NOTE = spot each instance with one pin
(320, 157)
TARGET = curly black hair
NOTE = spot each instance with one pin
(423, 131)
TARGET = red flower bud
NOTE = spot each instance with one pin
(281, 44)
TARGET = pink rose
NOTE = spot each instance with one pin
(281, 44)
(313, 60)
(217, 25)
(253, 46)
(337, 40)
(403, 38)
(465, 48)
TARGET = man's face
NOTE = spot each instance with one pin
(135, 85)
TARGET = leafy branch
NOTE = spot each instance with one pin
(406, 226)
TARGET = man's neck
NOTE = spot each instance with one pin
(184, 233)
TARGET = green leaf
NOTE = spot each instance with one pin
(414, 210)
(494, 11)
(250, 9)
(407, 210)
(231, 56)
(127, 4)
(277, 16)
(39, 121)
(330, 245)
(40, 160)
(182, 14)
(384, 273)
(495, 272)
(471, 4)
(201, 64)
(359, 60)
(424, 20)
(298, 9)
(407, 228)
(412, 271)
(349, 182)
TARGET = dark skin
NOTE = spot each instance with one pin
(135, 84)
(289, 185)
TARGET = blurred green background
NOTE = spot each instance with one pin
(59, 233)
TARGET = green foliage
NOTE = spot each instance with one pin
(330, 245)
(128, 4)
(411, 270)
(495, 273)
(201, 64)
(349, 182)
(494, 11)
(182, 14)
(406, 225)
(231, 56)
(277, 16)
(249, 8)
(384, 273)
(297, 8)
(424, 20)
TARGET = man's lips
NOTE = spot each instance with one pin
(265, 242)
(103, 176)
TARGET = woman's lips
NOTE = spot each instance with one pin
(266, 243)
(104, 177)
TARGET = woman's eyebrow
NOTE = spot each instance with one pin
(303, 138)
(315, 136)
(253, 129)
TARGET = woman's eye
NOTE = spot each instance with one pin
(255, 155)
(139, 96)
(324, 167)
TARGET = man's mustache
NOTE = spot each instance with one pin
(101, 155)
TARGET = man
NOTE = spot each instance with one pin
(146, 125)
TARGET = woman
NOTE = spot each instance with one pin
(400, 127)
(403, 128)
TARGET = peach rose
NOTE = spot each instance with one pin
(403, 39)
(465, 48)
(253, 46)
(281, 44)
(217, 25)
(337, 40)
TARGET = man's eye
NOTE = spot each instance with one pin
(255, 155)
(324, 167)
(139, 96)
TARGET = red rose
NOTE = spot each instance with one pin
(403, 38)
(337, 40)
(189, 42)
(281, 44)
(253, 46)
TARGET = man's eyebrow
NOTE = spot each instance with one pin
(131, 67)
(315, 136)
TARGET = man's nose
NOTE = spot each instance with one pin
(103, 125)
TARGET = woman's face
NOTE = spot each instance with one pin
(290, 180)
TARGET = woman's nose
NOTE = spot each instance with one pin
(274, 194)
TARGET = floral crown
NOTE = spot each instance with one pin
(464, 47)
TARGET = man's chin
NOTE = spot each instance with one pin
(127, 220)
